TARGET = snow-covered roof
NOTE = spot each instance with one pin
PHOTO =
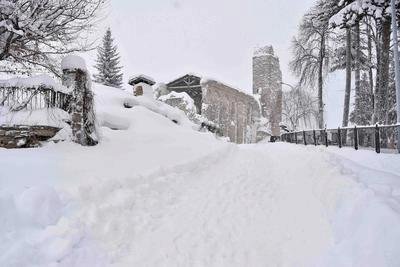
(192, 74)
(141, 78)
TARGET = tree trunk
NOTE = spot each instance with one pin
(357, 73)
(346, 107)
(384, 73)
(375, 118)
(320, 83)
(370, 64)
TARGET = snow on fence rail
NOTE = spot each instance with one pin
(378, 137)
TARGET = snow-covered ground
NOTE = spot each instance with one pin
(156, 193)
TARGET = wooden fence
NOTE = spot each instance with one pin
(381, 138)
(32, 98)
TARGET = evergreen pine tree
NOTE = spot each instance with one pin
(363, 106)
(107, 63)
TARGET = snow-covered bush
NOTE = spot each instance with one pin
(180, 100)
(160, 89)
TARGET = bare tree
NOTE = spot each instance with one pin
(310, 57)
(38, 32)
(299, 109)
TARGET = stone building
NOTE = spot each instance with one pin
(267, 83)
(142, 85)
(242, 117)
(189, 84)
(236, 113)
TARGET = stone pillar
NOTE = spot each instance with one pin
(81, 109)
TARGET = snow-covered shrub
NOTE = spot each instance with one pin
(160, 89)
(180, 100)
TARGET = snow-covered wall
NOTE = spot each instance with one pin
(236, 113)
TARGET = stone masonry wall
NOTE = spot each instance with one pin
(267, 82)
(236, 113)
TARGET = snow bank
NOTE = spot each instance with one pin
(34, 233)
(40, 205)
(364, 214)
(49, 117)
(366, 230)
(158, 193)
(40, 189)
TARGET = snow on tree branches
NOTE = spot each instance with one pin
(107, 63)
(350, 11)
(358, 39)
(37, 33)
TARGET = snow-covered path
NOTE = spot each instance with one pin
(249, 205)
(156, 193)
(245, 210)
(253, 205)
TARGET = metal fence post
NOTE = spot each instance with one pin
(304, 138)
(397, 129)
(355, 138)
(377, 140)
(326, 137)
(315, 138)
(339, 138)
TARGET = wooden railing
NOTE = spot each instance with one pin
(32, 98)
(377, 137)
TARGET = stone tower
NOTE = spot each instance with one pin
(267, 82)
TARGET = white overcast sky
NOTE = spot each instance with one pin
(168, 38)
(165, 39)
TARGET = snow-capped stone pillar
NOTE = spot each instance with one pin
(75, 76)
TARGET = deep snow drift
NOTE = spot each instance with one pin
(157, 193)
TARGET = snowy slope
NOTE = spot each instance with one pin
(38, 186)
(157, 193)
